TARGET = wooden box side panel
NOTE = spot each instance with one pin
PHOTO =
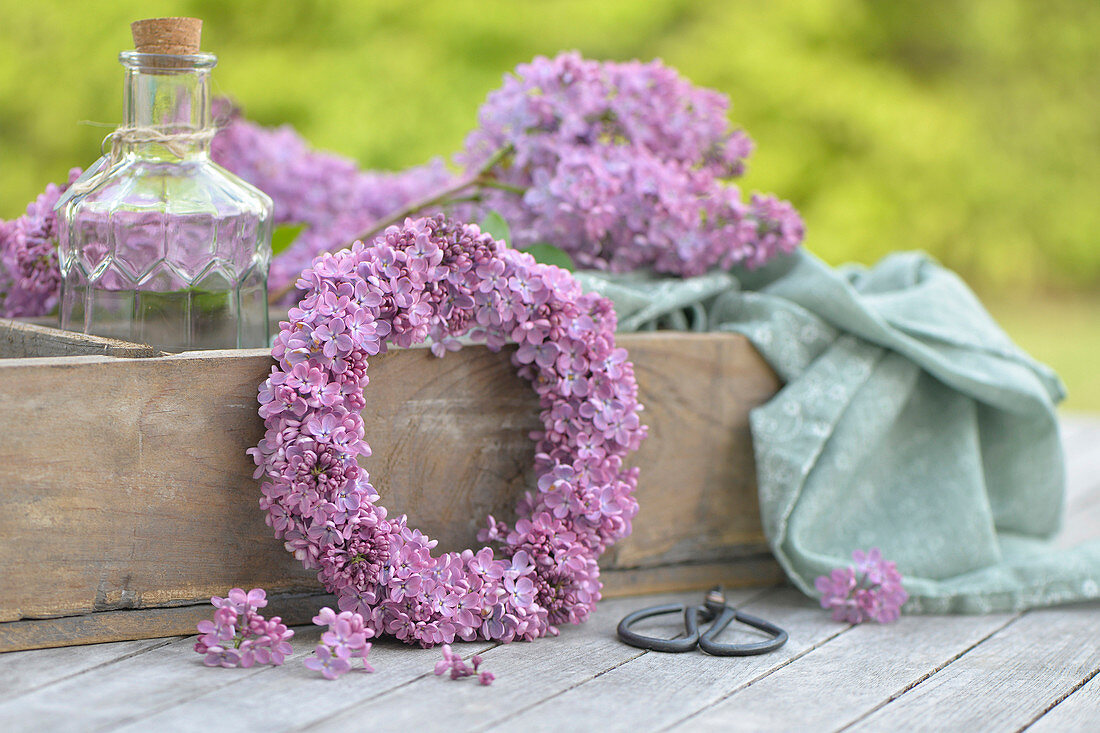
(19, 339)
(124, 483)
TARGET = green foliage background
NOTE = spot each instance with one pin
(968, 128)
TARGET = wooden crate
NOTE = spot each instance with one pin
(127, 500)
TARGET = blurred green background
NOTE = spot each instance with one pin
(970, 129)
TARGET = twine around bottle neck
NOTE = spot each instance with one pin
(177, 143)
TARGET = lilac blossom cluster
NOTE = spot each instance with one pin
(239, 636)
(624, 166)
(871, 589)
(329, 194)
(432, 279)
(342, 643)
(30, 279)
(454, 665)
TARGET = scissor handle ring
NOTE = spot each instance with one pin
(656, 643)
(708, 643)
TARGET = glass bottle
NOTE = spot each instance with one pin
(157, 243)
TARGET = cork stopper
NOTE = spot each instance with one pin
(173, 36)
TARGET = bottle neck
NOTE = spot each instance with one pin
(167, 96)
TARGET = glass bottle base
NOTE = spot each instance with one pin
(180, 320)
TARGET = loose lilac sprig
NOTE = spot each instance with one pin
(433, 279)
(454, 664)
(869, 590)
(239, 636)
(343, 643)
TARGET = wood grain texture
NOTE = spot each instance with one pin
(249, 698)
(142, 623)
(653, 691)
(139, 464)
(752, 570)
(1079, 712)
(22, 672)
(393, 698)
(168, 688)
(860, 670)
(1006, 682)
(526, 674)
(829, 674)
(23, 339)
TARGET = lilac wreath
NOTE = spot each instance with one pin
(439, 280)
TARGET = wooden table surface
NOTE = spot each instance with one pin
(1034, 670)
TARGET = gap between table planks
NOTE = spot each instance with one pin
(579, 653)
(1006, 671)
(829, 675)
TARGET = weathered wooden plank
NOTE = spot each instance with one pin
(1005, 682)
(1079, 712)
(21, 672)
(169, 689)
(22, 339)
(149, 485)
(398, 687)
(296, 608)
(697, 492)
(850, 676)
(753, 570)
(248, 699)
(654, 690)
(142, 623)
(167, 677)
(527, 674)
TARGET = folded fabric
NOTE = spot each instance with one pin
(908, 421)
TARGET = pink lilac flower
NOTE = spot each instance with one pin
(420, 282)
(871, 589)
(624, 166)
(327, 663)
(343, 642)
(238, 636)
(30, 278)
(454, 665)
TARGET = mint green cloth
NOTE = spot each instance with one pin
(909, 421)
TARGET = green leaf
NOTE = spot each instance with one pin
(548, 254)
(494, 224)
(284, 236)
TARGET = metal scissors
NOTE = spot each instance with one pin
(715, 611)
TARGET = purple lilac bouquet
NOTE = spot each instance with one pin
(458, 669)
(343, 643)
(624, 166)
(30, 278)
(871, 589)
(239, 636)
